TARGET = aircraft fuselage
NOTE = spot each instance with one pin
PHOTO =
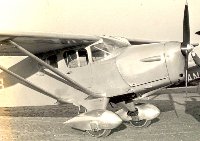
(133, 69)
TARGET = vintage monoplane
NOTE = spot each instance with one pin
(97, 71)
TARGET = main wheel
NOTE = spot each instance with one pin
(140, 123)
(99, 133)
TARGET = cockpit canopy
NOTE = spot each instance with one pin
(84, 56)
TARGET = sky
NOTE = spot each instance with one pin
(140, 19)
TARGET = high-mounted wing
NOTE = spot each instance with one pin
(37, 43)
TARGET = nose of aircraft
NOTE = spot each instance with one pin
(142, 65)
(147, 67)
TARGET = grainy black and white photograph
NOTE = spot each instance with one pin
(95, 70)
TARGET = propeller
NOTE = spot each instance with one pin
(186, 47)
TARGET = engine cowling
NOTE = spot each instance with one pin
(149, 67)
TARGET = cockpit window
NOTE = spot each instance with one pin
(75, 59)
(99, 53)
(83, 57)
(71, 59)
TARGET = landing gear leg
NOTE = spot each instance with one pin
(129, 107)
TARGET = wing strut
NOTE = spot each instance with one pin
(71, 82)
(31, 85)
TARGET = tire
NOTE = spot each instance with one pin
(141, 123)
(99, 133)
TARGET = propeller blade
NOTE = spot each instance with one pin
(186, 48)
(196, 58)
(198, 33)
(186, 27)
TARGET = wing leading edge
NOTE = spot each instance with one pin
(37, 43)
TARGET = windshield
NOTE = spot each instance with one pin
(101, 52)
